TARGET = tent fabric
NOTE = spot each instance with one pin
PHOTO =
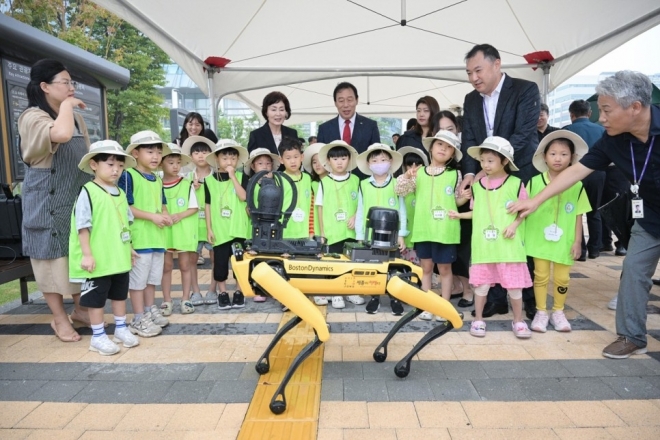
(304, 48)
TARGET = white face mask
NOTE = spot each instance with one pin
(380, 168)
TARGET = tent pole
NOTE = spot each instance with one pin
(214, 108)
(546, 81)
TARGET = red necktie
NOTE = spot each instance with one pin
(346, 137)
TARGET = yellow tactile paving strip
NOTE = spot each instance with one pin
(613, 419)
(303, 393)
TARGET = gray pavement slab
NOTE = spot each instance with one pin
(454, 390)
(188, 392)
(232, 391)
(332, 390)
(365, 390)
(409, 390)
(586, 368)
(462, 370)
(342, 370)
(144, 372)
(517, 369)
(58, 391)
(224, 371)
(19, 389)
(35, 371)
(123, 392)
(633, 387)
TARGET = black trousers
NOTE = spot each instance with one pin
(221, 255)
(619, 215)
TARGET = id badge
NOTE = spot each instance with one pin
(225, 212)
(491, 233)
(553, 232)
(125, 235)
(340, 216)
(201, 214)
(439, 214)
(637, 208)
(298, 215)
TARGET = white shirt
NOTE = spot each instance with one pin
(342, 123)
(490, 106)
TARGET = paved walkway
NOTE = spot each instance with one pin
(197, 379)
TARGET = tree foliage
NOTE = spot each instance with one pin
(92, 28)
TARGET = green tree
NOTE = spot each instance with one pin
(236, 128)
(92, 28)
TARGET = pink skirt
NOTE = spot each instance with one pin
(509, 275)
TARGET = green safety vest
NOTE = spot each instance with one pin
(183, 235)
(148, 197)
(298, 225)
(499, 249)
(229, 218)
(434, 199)
(377, 197)
(109, 219)
(410, 201)
(339, 204)
(564, 208)
(201, 213)
(315, 190)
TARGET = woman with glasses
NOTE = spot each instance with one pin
(53, 140)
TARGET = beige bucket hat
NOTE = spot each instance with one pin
(147, 137)
(224, 144)
(581, 148)
(105, 147)
(363, 164)
(498, 144)
(323, 155)
(260, 152)
(447, 137)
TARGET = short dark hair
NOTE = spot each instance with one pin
(545, 108)
(579, 108)
(103, 157)
(411, 159)
(411, 123)
(342, 86)
(42, 71)
(231, 151)
(274, 98)
(200, 146)
(311, 138)
(377, 153)
(396, 134)
(490, 53)
(569, 143)
(338, 151)
(149, 146)
(289, 144)
(443, 114)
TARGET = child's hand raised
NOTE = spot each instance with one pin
(231, 171)
(412, 171)
(196, 184)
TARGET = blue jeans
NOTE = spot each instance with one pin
(638, 268)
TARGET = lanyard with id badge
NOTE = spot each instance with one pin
(341, 215)
(491, 232)
(554, 232)
(125, 233)
(437, 212)
(637, 202)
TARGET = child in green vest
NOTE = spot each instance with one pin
(291, 156)
(553, 233)
(181, 237)
(144, 191)
(100, 253)
(198, 147)
(434, 233)
(379, 161)
(337, 209)
(498, 245)
(413, 158)
(313, 166)
(261, 159)
(226, 216)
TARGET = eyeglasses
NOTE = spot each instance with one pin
(67, 83)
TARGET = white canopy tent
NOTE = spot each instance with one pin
(394, 51)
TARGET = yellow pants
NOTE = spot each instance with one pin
(561, 277)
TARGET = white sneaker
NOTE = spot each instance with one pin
(612, 304)
(104, 346)
(158, 317)
(126, 337)
(540, 322)
(144, 327)
(426, 316)
(559, 321)
(338, 302)
(321, 300)
(355, 299)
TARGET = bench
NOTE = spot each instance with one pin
(18, 270)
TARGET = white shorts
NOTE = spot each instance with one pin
(148, 269)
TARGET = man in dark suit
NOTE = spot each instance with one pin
(358, 131)
(499, 106)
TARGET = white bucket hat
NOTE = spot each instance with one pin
(175, 149)
(105, 147)
(261, 152)
(363, 164)
(323, 155)
(308, 155)
(224, 144)
(581, 148)
(147, 137)
(414, 150)
(192, 140)
(498, 144)
(447, 137)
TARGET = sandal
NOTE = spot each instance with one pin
(75, 337)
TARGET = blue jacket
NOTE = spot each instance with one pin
(587, 130)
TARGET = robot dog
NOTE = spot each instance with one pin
(288, 270)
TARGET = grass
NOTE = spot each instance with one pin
(12, 291)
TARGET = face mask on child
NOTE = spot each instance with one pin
(379, 168)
